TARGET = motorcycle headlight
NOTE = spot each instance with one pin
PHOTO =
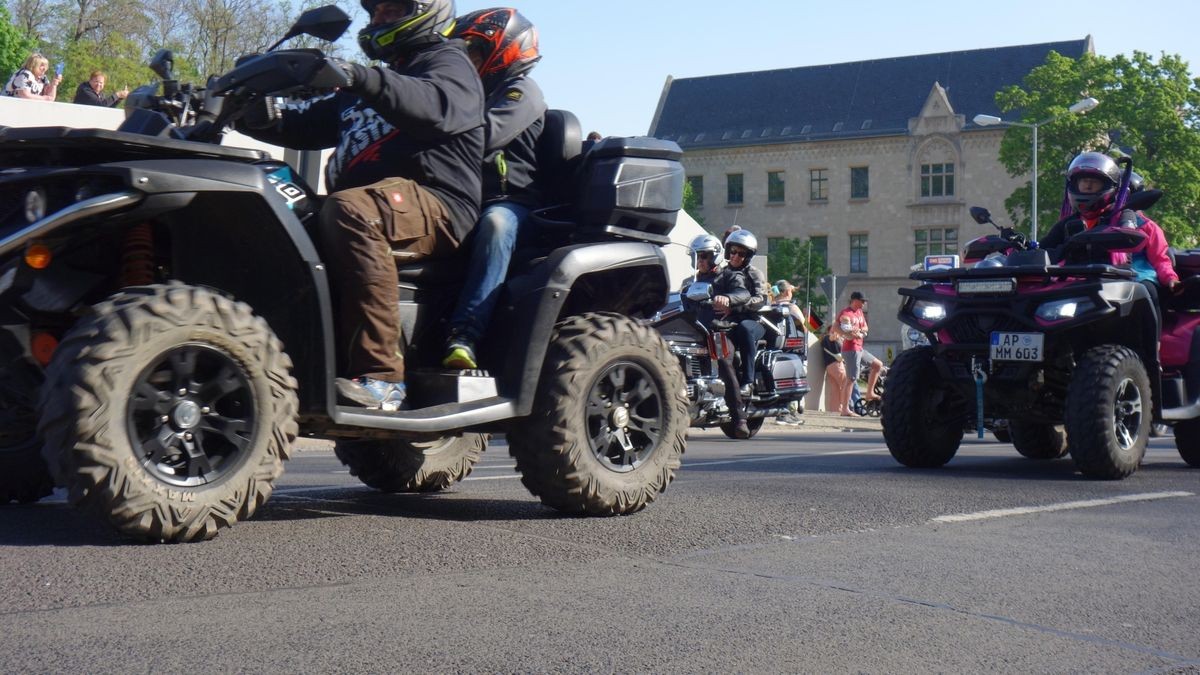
(928, 311)
(1064, 309)
(35, 205)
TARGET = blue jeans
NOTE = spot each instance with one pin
(492, 245)
(745, 338)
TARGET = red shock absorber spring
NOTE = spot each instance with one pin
(137, 256)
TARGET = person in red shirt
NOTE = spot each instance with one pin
(851, 325)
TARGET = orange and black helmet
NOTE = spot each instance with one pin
(502, 43)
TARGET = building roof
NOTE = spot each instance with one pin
(844, 100)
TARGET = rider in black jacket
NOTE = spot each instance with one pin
(404, 178)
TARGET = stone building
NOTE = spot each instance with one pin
(876, 161)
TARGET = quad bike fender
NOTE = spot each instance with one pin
(229, 229)
(1142, 328)
(628, 278)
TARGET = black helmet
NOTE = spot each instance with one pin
(707, 243)
(425, 22)
(742, 238)
(502, 42)
(1093, 165)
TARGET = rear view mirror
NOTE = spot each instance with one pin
(981, 215)
(699, 291)
(324, 23)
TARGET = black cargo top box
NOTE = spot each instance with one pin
(632, 187)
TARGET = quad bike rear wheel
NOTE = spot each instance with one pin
(169, 412)
(753, 424)
(1108, 412)
(1038, 441)
(920, 423)
(401, 465)
(609, 418)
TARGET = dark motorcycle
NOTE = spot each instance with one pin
(780, 368)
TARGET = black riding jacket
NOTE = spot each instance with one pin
(426, 124)
(515, 120)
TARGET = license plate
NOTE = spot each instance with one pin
(1017, 346)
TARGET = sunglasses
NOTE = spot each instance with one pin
(741, 252)
(705, 255)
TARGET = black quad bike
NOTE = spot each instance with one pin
(166, 333)
(780, 368)
(1076, 344)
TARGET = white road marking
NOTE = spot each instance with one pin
(1064, 506)
(778, 458)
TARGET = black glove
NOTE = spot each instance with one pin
(364, 81)
(261, 114)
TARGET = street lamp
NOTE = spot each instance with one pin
(1080, 106)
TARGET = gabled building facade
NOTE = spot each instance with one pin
(876, 161)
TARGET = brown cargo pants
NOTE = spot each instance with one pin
(365, 232)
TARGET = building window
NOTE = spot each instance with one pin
(697, 185)
(858, 254)
(859, 182)
(935, 241)
(937, 180)
(820, 248)
(818, 184)
(775, 193)
(733, 188)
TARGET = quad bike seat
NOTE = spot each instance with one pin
(558, 151)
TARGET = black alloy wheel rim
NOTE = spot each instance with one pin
(191, 415)
(625, 413)
(1127, 414)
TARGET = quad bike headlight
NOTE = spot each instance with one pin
(929, 311)
(916, 338)
(1064, 309)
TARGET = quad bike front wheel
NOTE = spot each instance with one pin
(1108, 412)
(1187, 441)
(401, 465)
(609, 420)
(169, 412)
(920, 423)
(1038, 441)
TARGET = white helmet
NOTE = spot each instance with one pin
(743, 238)
(705, 242)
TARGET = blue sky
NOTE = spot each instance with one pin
(607, 61)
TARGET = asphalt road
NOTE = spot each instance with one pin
(798, 551)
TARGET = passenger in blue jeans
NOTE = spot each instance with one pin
(503, 45)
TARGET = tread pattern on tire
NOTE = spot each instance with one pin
(551, 451)
(1089, 413)
(910, 439)
(1187, 441)
(399, 465)
(86, 445)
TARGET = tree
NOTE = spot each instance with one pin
(1155, 106)
(802, 265)
(691, 203)
(15, 44)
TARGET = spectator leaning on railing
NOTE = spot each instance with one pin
(89, 92)
(30, 80)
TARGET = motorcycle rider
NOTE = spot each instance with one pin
(1093, 180)
(503, 45)
(740, 247)
(404, 178)
(731, 286)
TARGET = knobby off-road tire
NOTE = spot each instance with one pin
(1038, 441)
(753, 424)
(400, 465)
(1002, 434)
(609, 420)
(915, 434)
(1108, 412)
(1187, 441)
(169, 412)
(24, 477)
